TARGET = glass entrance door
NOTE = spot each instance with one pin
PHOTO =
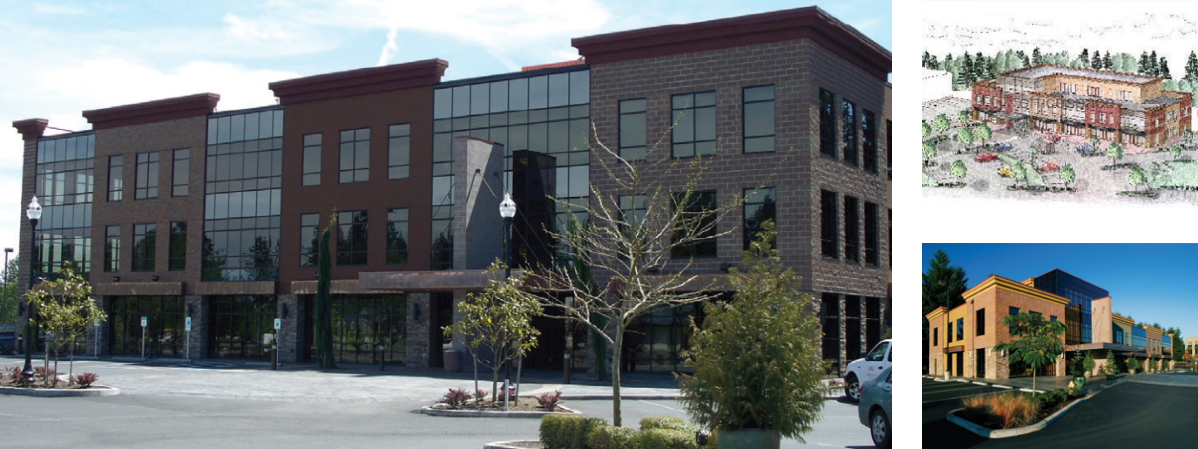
(240, 326)
(164, 335)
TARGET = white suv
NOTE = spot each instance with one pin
(866, 369)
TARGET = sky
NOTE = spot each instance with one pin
(1153, 283)
(64, 57)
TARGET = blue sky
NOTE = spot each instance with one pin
(1154, 283)
(64, 57)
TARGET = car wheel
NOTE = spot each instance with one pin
(852, 388)
(879, 428)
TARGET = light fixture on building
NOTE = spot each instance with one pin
(116, 279)
(154, 278)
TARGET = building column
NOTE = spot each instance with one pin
(198, 341)
(419, 319)
(291, 335)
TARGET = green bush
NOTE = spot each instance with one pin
(668, 423)
(611, 437)
(664, 439)
(567, 431)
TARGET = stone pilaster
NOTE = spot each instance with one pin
(291, 344)
(195, 307)
(419, 319)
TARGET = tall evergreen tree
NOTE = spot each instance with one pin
(1154, 67)
(966, 71)
(935, 63)
(1085, 56)
(1023, 57)
(1143, 67)
(953, 277)
(324, 309)
(1192, 67)
(1106, 61)
(927, 59)
(1163, 70)
(1037, 59)
(1096, 61)
(981, 67)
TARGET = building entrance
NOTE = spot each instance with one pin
(241, 326)
(164, 336)
(360, 324)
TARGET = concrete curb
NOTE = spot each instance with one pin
(646, 397)
(1004, 433)
(432, 410)
(508, 444)
(42, 393)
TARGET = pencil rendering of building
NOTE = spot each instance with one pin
(1128, 108)
(962, 340)
(181, 213)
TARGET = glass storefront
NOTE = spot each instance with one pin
(164, 335)
(241, 326)
(360, 324)
(654, 344)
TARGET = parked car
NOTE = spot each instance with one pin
(874, 409)
(866, 369)
(8, 338)
(985, 157)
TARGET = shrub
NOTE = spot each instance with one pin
(43, 372)
(664, 438)
(833, 387)
(567, 431)
(1007, 410)
(14, 372)
(549, 401)
(611, 437)
(668, 423)
(85, 380)
(480, 394)
(456, 397)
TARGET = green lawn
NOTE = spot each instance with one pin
(1182, 174)
(928, 180)
(1033, 177)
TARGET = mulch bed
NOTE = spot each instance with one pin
(991, 422)
(525, 405)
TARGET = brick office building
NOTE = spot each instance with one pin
(212, 216)
(1128, 108)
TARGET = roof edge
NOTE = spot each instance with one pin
(424, 73)
(152, 111)
(31, 129)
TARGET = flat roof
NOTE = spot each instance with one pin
(1043, 70)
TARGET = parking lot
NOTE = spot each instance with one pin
(940, 390)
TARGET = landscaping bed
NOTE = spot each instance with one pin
(1014, 409)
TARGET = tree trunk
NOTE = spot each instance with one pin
(495, 383)
(615, 374)
(519, 368)
(475, 360)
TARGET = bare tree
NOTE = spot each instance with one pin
(644, 227)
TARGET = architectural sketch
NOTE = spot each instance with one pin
(1053, 106)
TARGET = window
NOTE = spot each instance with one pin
(1052, 318)
(147, 176)
(979, 321)
(351, 237)
(827, 213)
(759, 207)
(116, 174)
(869, 135)
(960, 329)
(827, 123)
(889, 149)
(848, 128)
(698, 222)
(397, 236)
(178, 250)
(1012, 311)
(948, 333)
(694, 124)
(759, 119)
(398, 149)
(309, 239)
(633, 209)
(852, 230)
(871, 233)
(143, 246)
(936, 336)
(632, 129)
(112, 249)
(355, 155)
(179, 173)
(311, 174)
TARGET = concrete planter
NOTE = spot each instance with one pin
(748, 439)
(56, 393)
(443, 410)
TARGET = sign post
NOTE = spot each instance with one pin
(97, 338)
(143, 337)
(187, 341)
(274, 345)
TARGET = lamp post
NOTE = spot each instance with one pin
(34, 213)
(507, 210)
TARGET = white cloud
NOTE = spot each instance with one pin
(255, 29)
(56, 9)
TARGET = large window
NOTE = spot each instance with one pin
(179, 172)
(164, 332)
(852, 231)
(147, 176)
(398, 149)
(848, 126)
(827, 123)
(311, 169)
(144, 239)
(178, 249)
(694, 124)
(979, 322)
(238, 324)
(871, 233)
(759, 207)
(698, 219)
(112, 248)
(960, 329)
(351, 237)
(309, 240)
(1011, 329)
(828, 231)
(361, 323)
(355, 155)
(759, 119)
(632, 129)
(830, 311)
(116, 177)
(64, 184)
(397, 236)
(869, 135)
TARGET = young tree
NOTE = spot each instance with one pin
(8, 293)
(963, 117)
(1175, 150)
(964, 137)
(1188, 137)
(1019, 172)
(941, 123)
(65, 311)
(1088, 363)
(1136, 177)
(322, 315)
(1114, 151)
(766, 337)
(982, 132)
(927, 129)
(929, 151)
(1066, 174)
(621, 244)
(497, 320)
(1037, 342)
(958, 170)
(1094, 142)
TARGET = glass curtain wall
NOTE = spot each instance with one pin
(64, 182)
(360, 324)
(165, 336)
(244, 174)
(242, 326)
(656, 341)
(546, 112)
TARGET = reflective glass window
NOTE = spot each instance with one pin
(759, 119)
(398, 149)
(112, 248)
(179, 175)
(309, 239)
(355, 155)
(759, 207)
(178, 246)
(698, 237)
(147, 176)
(116, 174)
(351, 237)
(827, 123)
(828, 218)
(311, 169)
(397, 236)
(852, 230)
(632, 129)
(848, 124)
(144, 238)
(694, 124)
